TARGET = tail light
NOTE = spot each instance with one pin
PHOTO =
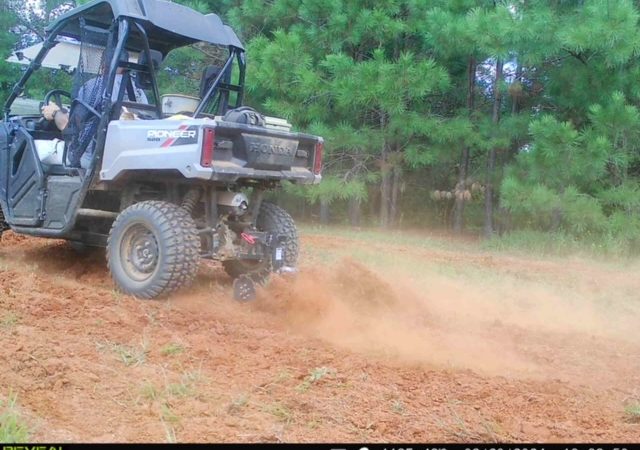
(317, 157)
(208, 142)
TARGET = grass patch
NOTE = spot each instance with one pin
(280, 412)
(398, 407)
(9, 320)
(149, 391)
(167, 415)
(187, 386)
(172, 348)
(540, 243)
(12, 426)
(129, 355)
(632, 411)
(169, 433)
(238, 403)
(313, 424)
(116, 295)
(314, 376)
(172, 392)
(169, 421)
(282, 376)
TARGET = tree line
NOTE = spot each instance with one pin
(483, 116)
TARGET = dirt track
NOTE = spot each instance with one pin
(423, 344)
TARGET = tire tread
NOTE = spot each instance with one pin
(178, 230)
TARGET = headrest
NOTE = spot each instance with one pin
(144, 80)
(156, 58)
(209, 74)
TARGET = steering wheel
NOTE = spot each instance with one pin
(57, 95)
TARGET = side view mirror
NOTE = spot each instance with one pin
(21, 56)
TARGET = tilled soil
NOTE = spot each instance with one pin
(521, 350)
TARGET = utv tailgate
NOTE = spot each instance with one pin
(210, 149)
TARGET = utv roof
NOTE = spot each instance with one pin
(168, 25)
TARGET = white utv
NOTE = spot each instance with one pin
(170, 180)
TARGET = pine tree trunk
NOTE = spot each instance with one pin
(458, 207)
(395, 190)
(515, 109)
(324, 212)
(385, 195)
(385, 183)
(491, 160)
(354, 212)
(373, 203)
(458, 211)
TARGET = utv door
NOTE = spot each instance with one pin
(22, 180)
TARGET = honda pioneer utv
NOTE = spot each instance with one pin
(167, 180)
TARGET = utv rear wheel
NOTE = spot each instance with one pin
(153, 249)
(275, 219)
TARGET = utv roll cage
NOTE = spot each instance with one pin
(152, 28)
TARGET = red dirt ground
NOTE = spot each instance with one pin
(340, 353)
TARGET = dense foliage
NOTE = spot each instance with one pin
(492, 116)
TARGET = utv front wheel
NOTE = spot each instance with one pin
(275, 219)
(153, 249)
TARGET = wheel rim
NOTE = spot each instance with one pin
(140, 252)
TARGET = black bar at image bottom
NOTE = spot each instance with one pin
(362, 446)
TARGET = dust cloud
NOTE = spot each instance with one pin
(555, 327)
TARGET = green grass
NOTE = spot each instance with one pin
(149, 391)
(539, 243)
(314, 376)
(398, 407)
(116, 295)
(187, 386)
(529, 242)
(167, 414)
(238, 403)
(12, 426)
(172, 348)
(9, 320)
(280, 411)
(131, 355)
(169, 433)
(632, 411)
(169, 421)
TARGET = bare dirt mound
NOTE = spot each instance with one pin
(341, 353)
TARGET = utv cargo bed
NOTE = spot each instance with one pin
(211, 150)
